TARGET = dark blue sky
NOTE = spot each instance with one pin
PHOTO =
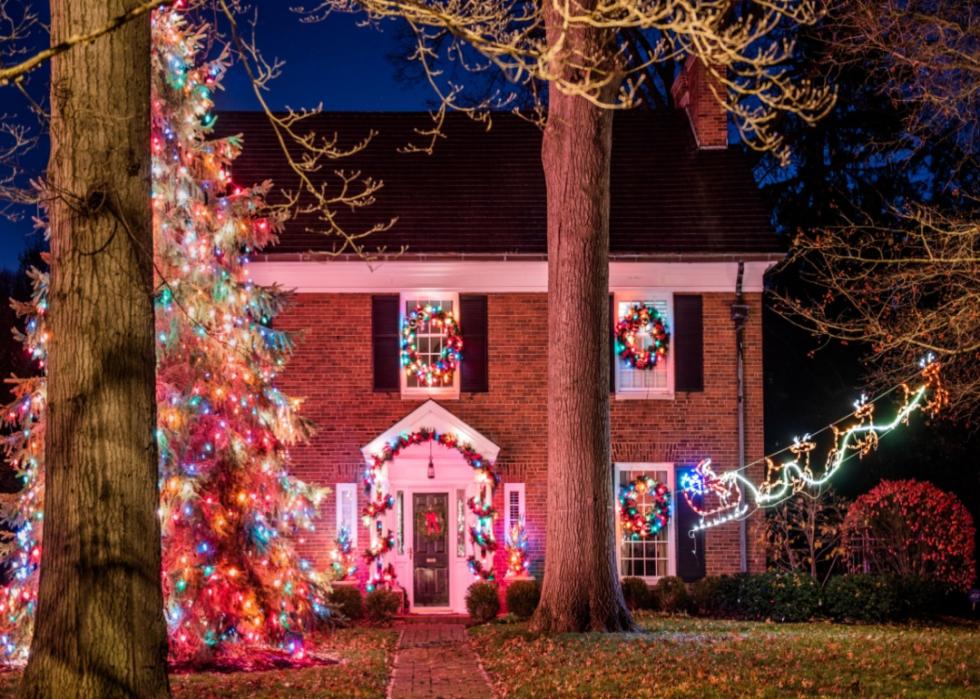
(335, 62)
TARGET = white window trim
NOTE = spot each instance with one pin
(508, 489)
(671, 523)
(352, 489)
(634, 295)
(415, 392)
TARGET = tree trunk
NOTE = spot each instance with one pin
(100, 630)
(581, 589)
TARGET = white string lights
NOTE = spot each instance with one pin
(733, 495)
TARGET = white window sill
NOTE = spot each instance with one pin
(447, 393)
(659, 394)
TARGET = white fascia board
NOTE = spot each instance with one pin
(496, 276)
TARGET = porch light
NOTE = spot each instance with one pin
(431, 471)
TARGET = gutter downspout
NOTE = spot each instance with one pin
(740, 314)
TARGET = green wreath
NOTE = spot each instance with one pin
(431, 523)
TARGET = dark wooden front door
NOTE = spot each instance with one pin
(431, 556)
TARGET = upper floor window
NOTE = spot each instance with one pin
(652, 557)
(656, 380)
(430, 344)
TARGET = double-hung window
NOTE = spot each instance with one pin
(655, 382)
(347, 510)
(430, 340)
(652, 557)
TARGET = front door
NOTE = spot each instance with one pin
(431, 555)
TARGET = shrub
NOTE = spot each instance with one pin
(348, 601)
(522, 598)
(921, 598)
(912, 528)
(783, 597)
(637, 593)
(716, 596)
(862, 597)
(482, 602)
(382, 605)
(672, 595)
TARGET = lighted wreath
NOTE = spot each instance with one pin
(440, 371)
(640, 318)
(640, 523)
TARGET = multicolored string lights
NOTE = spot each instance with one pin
(381, 573)
(515, 546)
(732, 495)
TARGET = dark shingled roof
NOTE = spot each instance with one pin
(482, 193)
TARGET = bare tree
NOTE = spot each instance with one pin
(579, 50)
(803, 534)
(905, 281)
(100, 630)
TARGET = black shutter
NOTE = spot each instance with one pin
(688, 343)
(690, 547)
(386, 342)
(474, 377)
(612, 343)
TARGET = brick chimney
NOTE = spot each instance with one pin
(709, 120)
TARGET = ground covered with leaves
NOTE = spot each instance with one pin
(365, 656)
(683, 657)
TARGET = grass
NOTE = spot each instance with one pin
(367, 654)
(682, 657)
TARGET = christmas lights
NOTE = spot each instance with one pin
(641, 318)
(342, 557)
(441, 370)
(380, 501)
(515, 545)
(732, 495)
(640, 522)
(229, 508)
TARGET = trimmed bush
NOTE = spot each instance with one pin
(868, 598)
(922, 598)
(382, 605)
(522, 598)
(637, 593)
(716, 596)
(482, 602)
(783, 597)
(348, 601)
(672, 595)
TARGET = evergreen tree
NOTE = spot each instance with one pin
(230, 510)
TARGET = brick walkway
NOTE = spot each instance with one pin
(435, 660)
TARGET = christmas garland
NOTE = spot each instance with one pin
(380, 501)
(637, 524)
(638, 318)
(441, 370)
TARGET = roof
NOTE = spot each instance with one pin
(482, 192)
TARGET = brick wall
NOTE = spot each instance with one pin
(692, 91)
(332, 370)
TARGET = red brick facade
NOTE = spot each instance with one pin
(332, 370)
(709, 119)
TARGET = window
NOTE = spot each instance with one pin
(652, 557)
(657, 382)
(429, 343)
(347, 510)
(514, 504)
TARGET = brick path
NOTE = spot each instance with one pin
(435, 660)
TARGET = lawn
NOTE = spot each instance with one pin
(681, 657)
(367, 654)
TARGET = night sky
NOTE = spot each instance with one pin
(346, 67)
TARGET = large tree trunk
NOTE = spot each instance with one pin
(100, 630)
(581, 587)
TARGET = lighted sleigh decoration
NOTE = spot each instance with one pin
(732, 495)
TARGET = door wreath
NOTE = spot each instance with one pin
(431, 522)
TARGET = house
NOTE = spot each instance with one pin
(688, 230)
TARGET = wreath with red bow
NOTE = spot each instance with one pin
(440, 370)
(642, 318)
(431, 523)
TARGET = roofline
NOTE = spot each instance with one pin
(319, 256)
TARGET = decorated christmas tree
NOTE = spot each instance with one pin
(230, 511)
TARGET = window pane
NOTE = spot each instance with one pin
(644, 557)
